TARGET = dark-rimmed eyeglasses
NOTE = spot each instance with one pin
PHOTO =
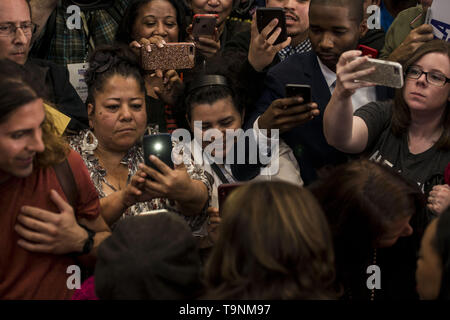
(434, 78)
(10, 29)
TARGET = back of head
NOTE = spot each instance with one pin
(441, 244)
(107, 61)
(361, 199)
(274, 243)
(148, 257)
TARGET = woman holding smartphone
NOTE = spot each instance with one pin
(112, 151)
(411, 133)
(156, 22)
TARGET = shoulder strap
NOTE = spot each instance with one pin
(66, 180)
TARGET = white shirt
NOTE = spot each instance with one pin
(361, 97)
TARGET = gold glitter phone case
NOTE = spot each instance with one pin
(387, 73)
(176, 56)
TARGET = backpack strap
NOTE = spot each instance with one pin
(66, 180)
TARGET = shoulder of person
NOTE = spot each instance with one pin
(410, 13)
(293, 64)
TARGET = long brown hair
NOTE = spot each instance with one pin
(19, 87)
(274, 243)
(401, 116)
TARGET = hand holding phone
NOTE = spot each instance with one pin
(299, 90)
(265, 15)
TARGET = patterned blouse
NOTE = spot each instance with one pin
(83, 144)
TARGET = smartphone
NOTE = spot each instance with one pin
(366, 51)
(159, 145)
(299, 90)
(175, 55)
(204, 25)
(154, 212)
(224, 190)
(387, 73)
(265, 15)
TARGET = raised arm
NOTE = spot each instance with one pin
(342, 130)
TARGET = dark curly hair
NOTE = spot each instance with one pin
(107, 61)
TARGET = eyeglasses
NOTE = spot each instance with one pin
(9, 29)
(434, 78)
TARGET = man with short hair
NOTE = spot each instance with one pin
(16, 31)
(334, 29)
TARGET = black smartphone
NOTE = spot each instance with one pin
(224, 190)
(159, 145)
(299, 90)
(265, 15)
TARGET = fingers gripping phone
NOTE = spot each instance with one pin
(159, 145)
(265, 15)
(173, 56)
(387, 73)
(224, 190)
(204, 25)
(299, 90)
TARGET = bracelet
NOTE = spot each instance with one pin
(89, 241)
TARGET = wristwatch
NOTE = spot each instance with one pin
(89, 241)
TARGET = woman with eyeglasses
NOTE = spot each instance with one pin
(410, 133)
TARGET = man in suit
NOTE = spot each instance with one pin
(335, 27)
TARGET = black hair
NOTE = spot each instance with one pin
(210, 94)
(107, 61)
(441, 243)
(356, 7)
(18, 87)
(125, 29)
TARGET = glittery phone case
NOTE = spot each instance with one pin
(387, 73)
(176, 56)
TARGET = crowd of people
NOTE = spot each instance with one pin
(341, 195)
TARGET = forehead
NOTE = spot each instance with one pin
(214, 111)
(329, 16)
(28, 116)
(14, 10)
(436, 61)
(119, 86)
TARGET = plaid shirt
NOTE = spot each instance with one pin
(72, 46)
(304, 46)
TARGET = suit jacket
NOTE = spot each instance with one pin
(307, 141)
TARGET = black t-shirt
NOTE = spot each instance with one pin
(384, 147)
